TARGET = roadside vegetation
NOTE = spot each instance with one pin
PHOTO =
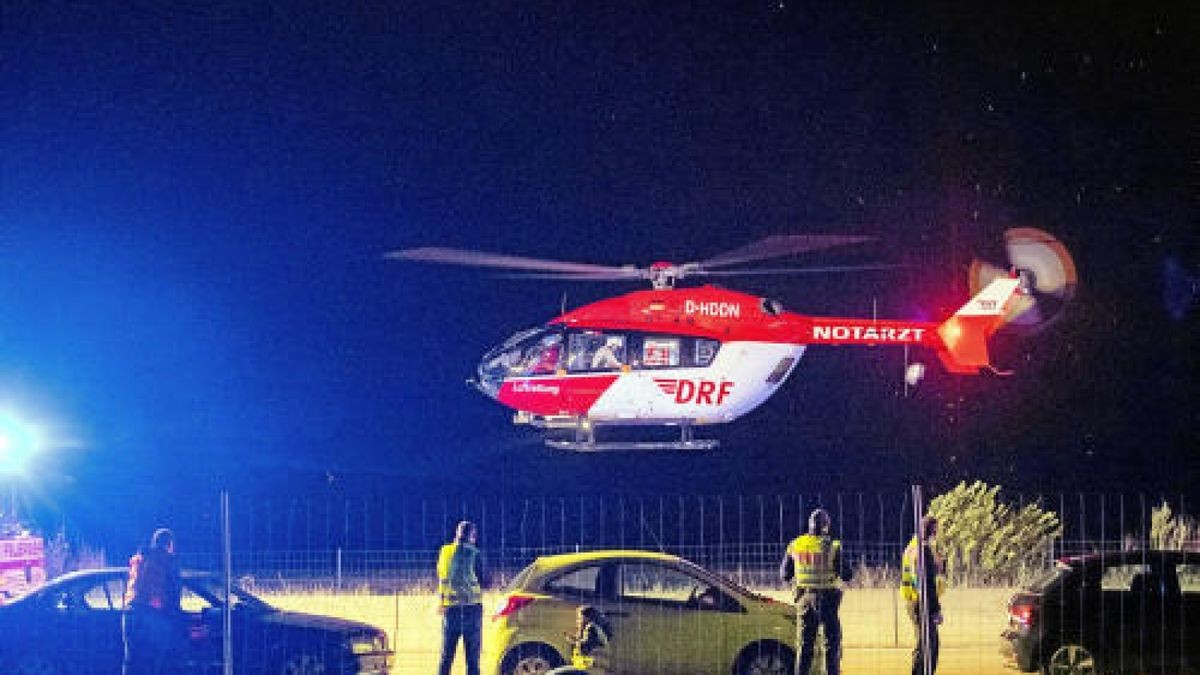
(986, 541)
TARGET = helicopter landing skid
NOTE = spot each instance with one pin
(585, 441)
(607, 446)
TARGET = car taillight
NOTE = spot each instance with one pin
(1024, 613)
(512, 605)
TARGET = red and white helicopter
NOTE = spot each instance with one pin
(687, 357)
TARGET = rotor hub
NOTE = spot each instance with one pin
(662, 275)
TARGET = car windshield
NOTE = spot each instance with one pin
(728, 583)
(212, 590)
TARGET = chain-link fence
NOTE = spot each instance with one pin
(371, 560)
(387, 545)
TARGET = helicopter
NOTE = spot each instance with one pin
(688, 357)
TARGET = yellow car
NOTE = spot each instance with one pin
(667, 615)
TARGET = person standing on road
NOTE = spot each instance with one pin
(813, 561)
(151, 624)
(911, 574)
(460, 598)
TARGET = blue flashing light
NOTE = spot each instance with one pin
(18, 443)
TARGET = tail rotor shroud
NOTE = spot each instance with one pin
(1047, 273)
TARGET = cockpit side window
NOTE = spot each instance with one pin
(543, 356)
(532, 352)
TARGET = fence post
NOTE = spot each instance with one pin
(896, 617)
(923, 591)
(227, 570)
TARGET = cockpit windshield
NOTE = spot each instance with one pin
(529, 353)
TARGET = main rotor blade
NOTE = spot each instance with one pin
(455, 256)
(621, 275)
(780, 245)
(793, 270)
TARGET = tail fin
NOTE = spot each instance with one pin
(964, 335)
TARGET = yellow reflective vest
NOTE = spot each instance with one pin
(814, 559)
(910, 585)
(457, 583)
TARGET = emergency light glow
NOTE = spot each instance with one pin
(951, 332)
(17, 444)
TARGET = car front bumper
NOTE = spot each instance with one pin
(374, 663)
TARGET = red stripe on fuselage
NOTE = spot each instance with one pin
(724, 315)
(564, 395)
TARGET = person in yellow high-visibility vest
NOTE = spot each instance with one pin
(813, 561)
(910, 591)
(460, 598)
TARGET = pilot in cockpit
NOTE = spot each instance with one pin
(545, 357)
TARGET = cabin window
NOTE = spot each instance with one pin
(781, 370)
(705, 351)
(595, 350)
(659, 352)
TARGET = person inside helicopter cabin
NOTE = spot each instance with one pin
(544, 357)
(609, 355)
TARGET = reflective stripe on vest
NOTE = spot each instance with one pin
(813, 558)
(457, 583)
(909, 584)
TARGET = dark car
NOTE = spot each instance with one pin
(1133, 611)
(73, 625)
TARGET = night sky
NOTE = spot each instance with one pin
(195, 202)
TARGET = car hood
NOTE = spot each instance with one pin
(327, 624)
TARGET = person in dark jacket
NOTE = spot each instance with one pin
(151, 624)
(911, 589)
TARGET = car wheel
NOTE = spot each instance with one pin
(1071, 660)
(304, 664)
(766, 659)
(531, 660)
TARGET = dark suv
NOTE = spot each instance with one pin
(1133, 611)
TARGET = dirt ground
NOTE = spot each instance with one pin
(878, 637)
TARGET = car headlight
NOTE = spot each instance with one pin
(368, 645)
